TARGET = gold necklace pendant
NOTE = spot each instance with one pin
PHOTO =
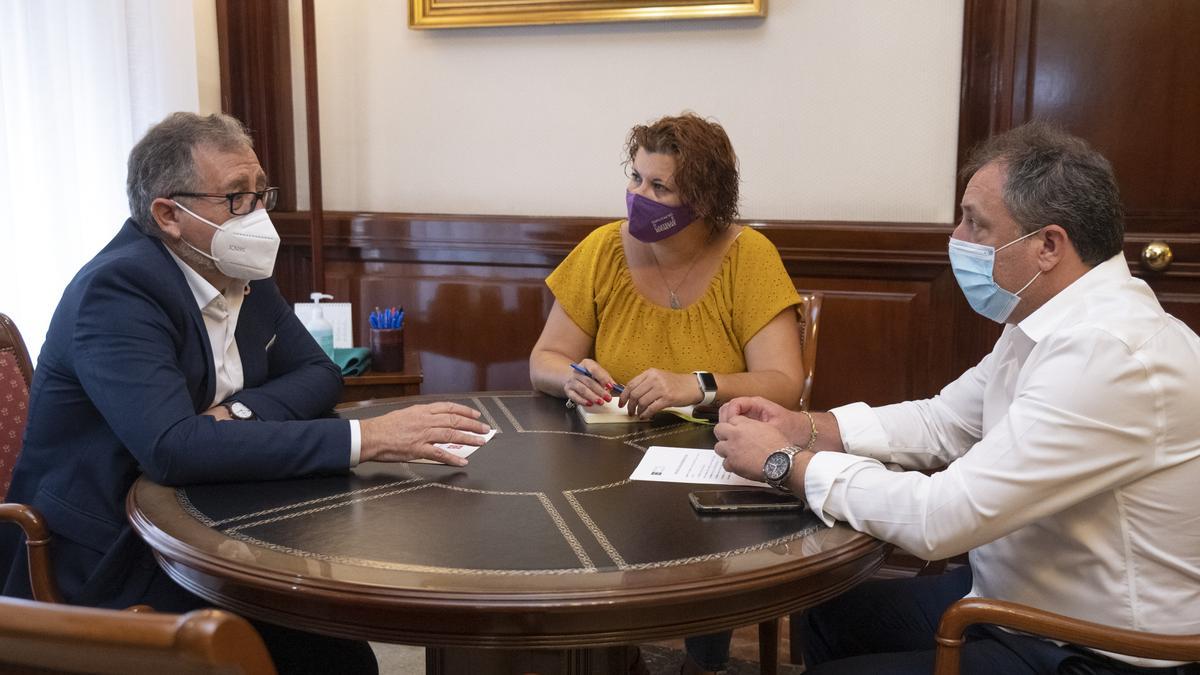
(673, 300)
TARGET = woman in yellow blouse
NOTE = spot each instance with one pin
(676, 288)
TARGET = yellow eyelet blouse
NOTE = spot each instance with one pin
(594, 287)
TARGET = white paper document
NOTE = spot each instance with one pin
(459, 449)
(686, 465)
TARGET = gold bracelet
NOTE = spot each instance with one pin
(812, 436)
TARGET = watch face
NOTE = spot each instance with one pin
(777, 466)
(708, 380)
(240, 411)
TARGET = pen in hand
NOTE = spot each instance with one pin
(616, 388)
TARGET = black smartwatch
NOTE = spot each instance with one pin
(778, 467)
(708, 386)
(239, 411)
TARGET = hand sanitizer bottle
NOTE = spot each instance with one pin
(321, 330)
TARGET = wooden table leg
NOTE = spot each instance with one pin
(768, 647)
(593, 661)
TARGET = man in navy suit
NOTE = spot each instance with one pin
(173, 354)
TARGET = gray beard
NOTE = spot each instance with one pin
(187, 254)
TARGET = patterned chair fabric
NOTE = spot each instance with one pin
(16, 373)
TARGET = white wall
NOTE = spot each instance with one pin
(80, 83)
(838, 109)
(208, 64)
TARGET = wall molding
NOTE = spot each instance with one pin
(889, 292)
(874, 249)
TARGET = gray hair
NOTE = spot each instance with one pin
(161, 164)
(1055, 178)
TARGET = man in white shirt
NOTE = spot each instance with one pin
(1072, 450)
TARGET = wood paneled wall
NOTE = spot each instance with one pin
(1122, 75)
(254, 51)
(894, 324)
(475, 298)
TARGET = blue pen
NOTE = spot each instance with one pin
(617, 389)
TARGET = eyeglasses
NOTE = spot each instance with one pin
(240, 203)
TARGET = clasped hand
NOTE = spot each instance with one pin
(646, 394)
(750, 429)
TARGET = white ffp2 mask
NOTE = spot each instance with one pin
(244, 247)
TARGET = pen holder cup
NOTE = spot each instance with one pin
(387, 349)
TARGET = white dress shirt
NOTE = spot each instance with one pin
(1074, 463)
(220, 310)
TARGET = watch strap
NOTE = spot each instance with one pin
(708, 386)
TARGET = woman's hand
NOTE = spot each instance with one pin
(654, 389)
(586, 391)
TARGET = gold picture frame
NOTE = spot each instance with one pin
(424, 14)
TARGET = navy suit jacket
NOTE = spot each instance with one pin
(124, 373)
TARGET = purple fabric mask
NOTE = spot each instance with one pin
(650, 221)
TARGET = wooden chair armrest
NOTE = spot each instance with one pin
(37, 542)
(52, 638)
(969, 611)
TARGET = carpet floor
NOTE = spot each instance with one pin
(660, 660)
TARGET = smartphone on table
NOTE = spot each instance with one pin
(743, 501)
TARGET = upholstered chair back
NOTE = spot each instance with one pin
(16, 374)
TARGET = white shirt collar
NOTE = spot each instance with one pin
(202, 291)
(1054, 311)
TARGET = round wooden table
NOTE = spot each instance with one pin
(541, 546)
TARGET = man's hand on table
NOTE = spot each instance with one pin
(790, 423)
(751, 428)
(745, 443)
(408, 434)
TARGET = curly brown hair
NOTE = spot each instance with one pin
(706, 168)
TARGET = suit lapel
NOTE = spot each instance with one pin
(195, 328)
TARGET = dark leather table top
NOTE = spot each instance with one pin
(540, 541)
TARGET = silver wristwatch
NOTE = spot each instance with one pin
(778, 467)
(239, 411)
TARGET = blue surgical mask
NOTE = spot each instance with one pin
(973, 265)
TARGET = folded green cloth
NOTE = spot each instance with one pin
(352, 360)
